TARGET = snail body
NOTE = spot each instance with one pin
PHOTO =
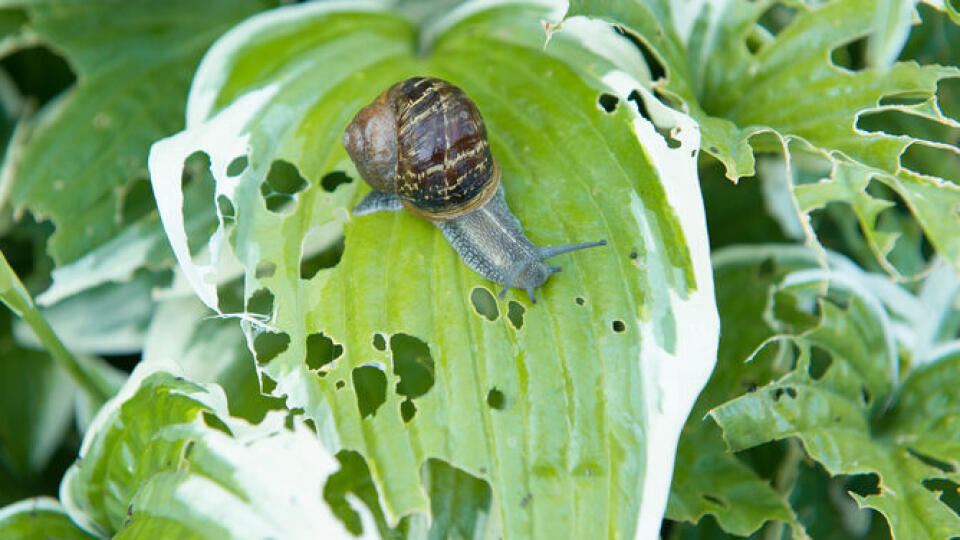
(422, 146)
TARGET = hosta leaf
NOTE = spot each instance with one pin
(741, 82)
(837, 398)
(165, 459)
(42, 517)
(81, 162)
(574, 402)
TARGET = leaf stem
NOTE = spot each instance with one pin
(16, 297)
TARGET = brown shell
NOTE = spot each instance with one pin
(445, 168)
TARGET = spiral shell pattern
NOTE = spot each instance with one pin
(445, 168)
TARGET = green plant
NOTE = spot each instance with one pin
(299, 369)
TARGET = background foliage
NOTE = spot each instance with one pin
(823, 137)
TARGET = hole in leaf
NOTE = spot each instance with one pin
(637, 100)
(515, 312)
(267, 384)
(265, 269)
(776, 18)
(230, 297)
(407, 410)
(864, 484)
(865, 395)
(715, 500)
(282, 182)
(339, 385)
(850, 56)
(237, 166)
(279, 203)
(284, 177)
(496, 399)
(619, 326)
(580, 301)
(354, 478)
(135, 199)
(330, 181)
(379, 343)
(212, 421)
(226, 207)
(370, 385)
(791, 392)
(268, 345)
(461, 516)
(932, 461)
(907, 98)
(608, 102)
(40, 84)
(656, 67)
(261, 301)
(484, 303)
(777, 393)
(933, 161)
(413, 365)
(321, 350)
(198, 187)
(949, 492)
(327, 258)
(820, 362)
(667, 134)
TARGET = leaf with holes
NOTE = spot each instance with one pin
(760, 78)
(164, 458)
(839, 400)
(400, 352)
(81, 161)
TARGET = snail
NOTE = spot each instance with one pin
(422, 146)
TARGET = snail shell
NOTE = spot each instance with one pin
(424, 140)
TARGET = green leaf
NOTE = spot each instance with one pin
(744, 82)
(81, 162)
(581, 405)
(164, 458)
(708, 478)
(837, 399)
(32, 384)
(42, 517)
